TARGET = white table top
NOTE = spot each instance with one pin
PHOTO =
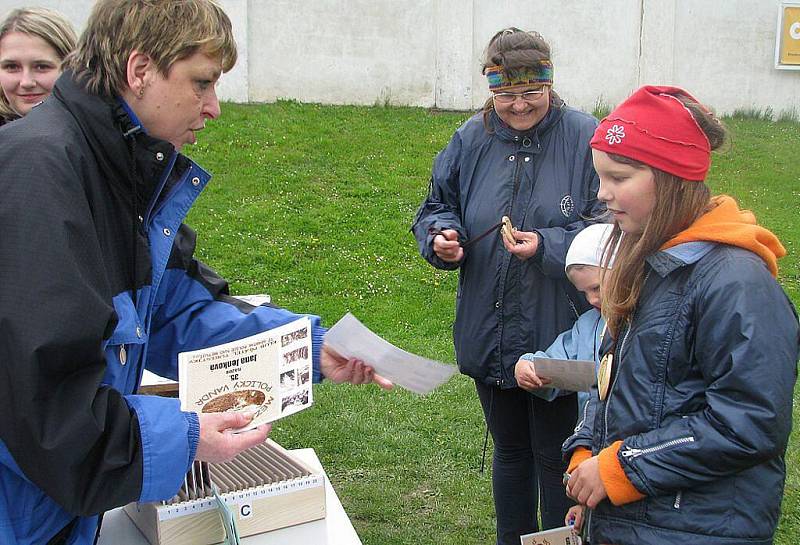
(334, 529)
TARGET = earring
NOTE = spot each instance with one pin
(141, 92)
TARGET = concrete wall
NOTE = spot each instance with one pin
(428, 52)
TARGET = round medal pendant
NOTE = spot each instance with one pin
(604, 376)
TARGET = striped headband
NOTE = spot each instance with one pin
(541, 74)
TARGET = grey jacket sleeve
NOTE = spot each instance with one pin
(441, 209)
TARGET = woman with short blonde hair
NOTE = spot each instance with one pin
(100, 280)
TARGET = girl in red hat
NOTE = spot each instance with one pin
(692, 413)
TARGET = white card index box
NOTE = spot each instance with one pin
(265, 487)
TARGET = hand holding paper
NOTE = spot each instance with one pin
(351, 339)
(574, 375)
(339, 369)
(527, 379)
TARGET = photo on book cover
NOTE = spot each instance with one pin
(267, 374)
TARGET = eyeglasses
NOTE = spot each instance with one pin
(527, 96)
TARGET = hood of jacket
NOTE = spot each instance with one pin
(726, 223)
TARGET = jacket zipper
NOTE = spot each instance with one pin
(616, 375)
(614, 383)
(588, 525)
(678, 496)
(504, 378)
(579, 425)
(631, 452)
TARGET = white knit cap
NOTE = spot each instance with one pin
(588, 245)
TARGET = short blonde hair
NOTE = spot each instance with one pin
(49, 25)
(166, 30)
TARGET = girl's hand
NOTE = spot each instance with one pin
(585, 485)
(526, 376)
(574, 517)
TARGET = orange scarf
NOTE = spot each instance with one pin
(728, 224)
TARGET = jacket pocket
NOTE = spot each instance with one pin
(705, 509)
(124, 348)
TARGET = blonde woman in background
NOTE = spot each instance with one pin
(33, 42)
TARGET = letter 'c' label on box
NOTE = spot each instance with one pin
(245, 510)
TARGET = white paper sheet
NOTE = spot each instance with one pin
(574, 375)
(150, 379)
(352, 339)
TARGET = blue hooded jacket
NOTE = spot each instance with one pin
(99, 282)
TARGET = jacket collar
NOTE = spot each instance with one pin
(688, 253)
(109, 129)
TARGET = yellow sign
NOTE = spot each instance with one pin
(790, 36)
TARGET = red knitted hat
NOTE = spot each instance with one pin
(654, 127)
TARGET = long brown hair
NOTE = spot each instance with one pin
(678, 204)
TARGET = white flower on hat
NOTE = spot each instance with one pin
(615, 134)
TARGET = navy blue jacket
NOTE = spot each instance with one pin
(701, 397)
(543, 180)
(98, 282)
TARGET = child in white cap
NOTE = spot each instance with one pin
(583, 265)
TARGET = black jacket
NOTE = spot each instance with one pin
(98, 282)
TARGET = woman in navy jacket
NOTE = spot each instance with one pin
(526, 156)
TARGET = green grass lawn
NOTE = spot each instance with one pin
(313, 205)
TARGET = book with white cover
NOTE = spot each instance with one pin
(267, 374)
(557, 536)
